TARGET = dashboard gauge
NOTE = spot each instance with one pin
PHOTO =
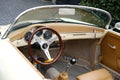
(47, 35)
(27, 36)
(39, 33)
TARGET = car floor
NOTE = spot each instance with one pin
(10, 9)
(74, 71)
(60, 66)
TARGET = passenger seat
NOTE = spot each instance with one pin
(100, 74)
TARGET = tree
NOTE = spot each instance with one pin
(112, 6)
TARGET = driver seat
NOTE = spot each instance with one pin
(100, 74)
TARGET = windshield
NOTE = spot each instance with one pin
(61, 13)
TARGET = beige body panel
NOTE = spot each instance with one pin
(14, 66)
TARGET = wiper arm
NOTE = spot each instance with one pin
(67, 20)
(54, 19)
(21, 26)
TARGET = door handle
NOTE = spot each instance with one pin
(111, 46)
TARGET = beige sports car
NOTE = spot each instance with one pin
(60, 42)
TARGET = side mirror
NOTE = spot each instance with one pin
(117, 27)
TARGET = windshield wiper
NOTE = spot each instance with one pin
(22, 25)
(65, 20)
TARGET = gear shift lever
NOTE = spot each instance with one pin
(64, 74)
(72, 62)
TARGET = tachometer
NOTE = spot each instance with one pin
(47, 35)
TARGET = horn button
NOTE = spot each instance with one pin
(44, 46)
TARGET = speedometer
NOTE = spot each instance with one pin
(47, 35)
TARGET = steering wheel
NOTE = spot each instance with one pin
(45, 45)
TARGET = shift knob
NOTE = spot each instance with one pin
(72, 62)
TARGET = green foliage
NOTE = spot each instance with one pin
(112, 6)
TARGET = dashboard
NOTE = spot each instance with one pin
(67, 31)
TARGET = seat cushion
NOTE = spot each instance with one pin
(100, 74)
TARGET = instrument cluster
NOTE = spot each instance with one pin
(45, 34)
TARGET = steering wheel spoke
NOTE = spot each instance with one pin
(47, 53)
(40, 42)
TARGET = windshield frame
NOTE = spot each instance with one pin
(56, 6)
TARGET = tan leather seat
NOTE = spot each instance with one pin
(101, 74)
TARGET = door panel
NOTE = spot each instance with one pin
(110, 51)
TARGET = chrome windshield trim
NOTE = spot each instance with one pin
(50, 6)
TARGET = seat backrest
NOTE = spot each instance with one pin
(100, 74)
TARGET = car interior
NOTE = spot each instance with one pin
(89, 46)
(60, 50)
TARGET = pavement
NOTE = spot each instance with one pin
(10, 9)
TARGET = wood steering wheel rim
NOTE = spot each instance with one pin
(58, 53)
